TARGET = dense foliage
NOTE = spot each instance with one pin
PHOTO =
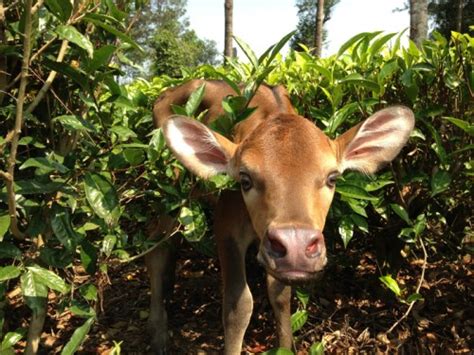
(91, 172)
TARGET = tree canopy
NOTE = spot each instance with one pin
(307, 22)
(168, 41)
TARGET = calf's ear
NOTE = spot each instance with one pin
(204, 152)
(376, 140)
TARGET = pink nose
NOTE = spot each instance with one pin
(294, 249)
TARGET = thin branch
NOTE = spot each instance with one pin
(37, 6)
(160, 242)
(42, 49)
(13, 4)
(14, 229)
(422, 278)
(49, 80)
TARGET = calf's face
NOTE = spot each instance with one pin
(287, 169)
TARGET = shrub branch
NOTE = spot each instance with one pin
(422, 278)
(9, 175)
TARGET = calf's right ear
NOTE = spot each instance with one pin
(204, 152)
(375, 141)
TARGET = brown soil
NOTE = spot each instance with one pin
(349, 309)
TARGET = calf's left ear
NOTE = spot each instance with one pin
(376, 140)
(204, 152)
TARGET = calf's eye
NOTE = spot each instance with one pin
(245, 182)
(332, 178)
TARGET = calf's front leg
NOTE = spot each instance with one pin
(234, 235)
(160, 263)
(280, 297)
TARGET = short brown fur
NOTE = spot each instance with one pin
(288, 165)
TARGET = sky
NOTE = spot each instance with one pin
(262, 23)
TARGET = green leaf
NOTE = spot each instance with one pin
(438, 147)
(74, 123)
(114, 11)
(108, 244)
(249, 53)
(56, 257)
(388, 69)
(195, 100)
(303, 296)
(229, 82)
(298, 319)
(351, 42)
(392, 284)
(78, 337)
(357, 79)
(346, 230)
(81, 310)
(102, 197)
(63, 229)
(30, 187)
(89, 292)
(440, 181)
(120, 35)
(59, 8)
(464, 125)
(414, 297)
(45, 164)
(11, 338)
(420, 224)
(9, 251)
(124, 133)
(317, 349)
(360, 222)
(401, 212)
(379, 42)
(65, 69)
(89, 257)
(377, 185)
(354, 191)
(34, 292)
(134, 156)
(9, 272)
(275, 49)
(71, 34)
(101, 57)
(194, 221)
(49, 278)
(4, 225)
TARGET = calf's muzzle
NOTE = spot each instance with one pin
(293, 254)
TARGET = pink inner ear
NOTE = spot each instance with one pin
(377, 122)
(205, 151)
(356, 153)
(214, 156)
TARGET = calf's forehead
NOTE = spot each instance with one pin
(288, 144)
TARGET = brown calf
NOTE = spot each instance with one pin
(287, 169)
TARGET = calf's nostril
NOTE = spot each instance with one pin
(312, 249)
(277, 248)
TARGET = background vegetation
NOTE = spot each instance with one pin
(84, 172)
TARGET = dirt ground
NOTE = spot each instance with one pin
(349, 309)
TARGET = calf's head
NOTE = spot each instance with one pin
(287, 169)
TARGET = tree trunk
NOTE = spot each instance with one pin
(459, 16)
(318, 33)
(418, 20)
(228, 7)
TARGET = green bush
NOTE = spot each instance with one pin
(91, 172)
